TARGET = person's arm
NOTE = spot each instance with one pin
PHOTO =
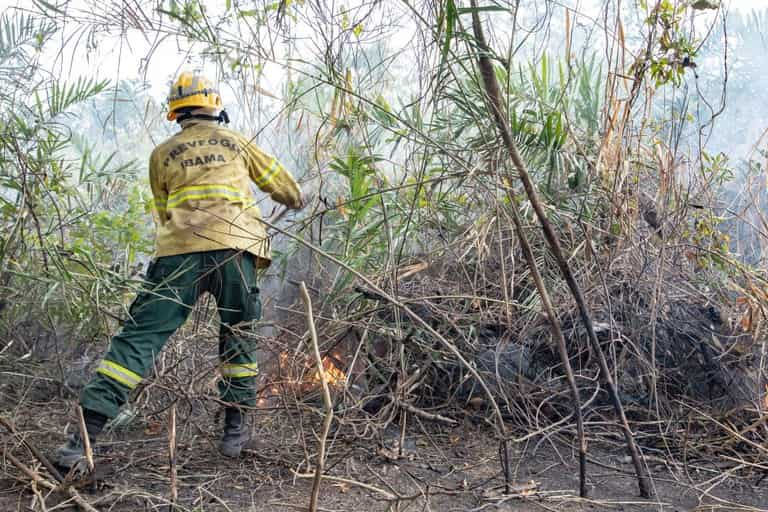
(159, 191)
(270, 176)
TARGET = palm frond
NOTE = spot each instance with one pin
(63, 95)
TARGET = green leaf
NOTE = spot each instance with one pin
(63, 95)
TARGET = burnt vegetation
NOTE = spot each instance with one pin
(506, 198)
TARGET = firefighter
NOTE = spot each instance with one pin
(209, 238)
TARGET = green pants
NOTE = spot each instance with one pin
(173, 285)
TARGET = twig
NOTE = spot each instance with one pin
(492, 89)
(172, 456)
(326, 399)
(388, 495)
(424, 414)
(299, 507)
(38, 498)
(403, 427)
(216, 498)
(86, 439)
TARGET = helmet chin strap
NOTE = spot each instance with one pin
(223, 117)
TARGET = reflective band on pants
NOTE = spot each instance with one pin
(119, 373)
(239, 370)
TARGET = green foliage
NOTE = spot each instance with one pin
(711, 242)
(544, 100)
(62, 95)
(73, 218)
(716, 169)
(674, 50)
(20, 33)
(358, 169)
(186, 11)
(355, 207)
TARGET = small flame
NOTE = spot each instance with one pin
(300, 377)
(333, 375)
(268, 397)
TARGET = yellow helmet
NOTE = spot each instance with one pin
(192, 90)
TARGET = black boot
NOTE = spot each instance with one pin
(73, 451)
(236, 432)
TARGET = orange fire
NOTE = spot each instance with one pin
(267, 397)
(299, 377)
(333, 375)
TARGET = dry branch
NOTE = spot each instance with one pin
(326, 399)
(424, 414)
(172, 456)
(86, 440)
(492, 89)
(388, 495)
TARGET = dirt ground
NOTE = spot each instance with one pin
(445, 469)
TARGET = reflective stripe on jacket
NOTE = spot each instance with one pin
(201, 182)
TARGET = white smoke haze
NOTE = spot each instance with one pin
(154, 63)
(143, 67)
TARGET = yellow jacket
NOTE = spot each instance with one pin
(201, 182)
